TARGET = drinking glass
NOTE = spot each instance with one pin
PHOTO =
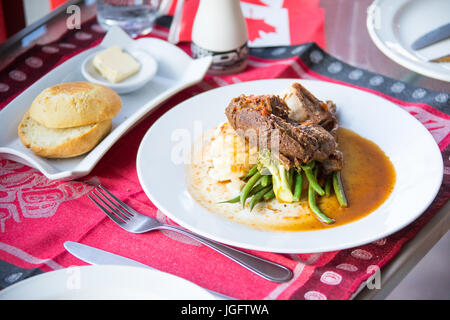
(136, 17)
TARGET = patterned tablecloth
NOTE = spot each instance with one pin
(38, 215)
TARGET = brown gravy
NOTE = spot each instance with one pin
(368, 177)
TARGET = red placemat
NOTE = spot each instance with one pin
(37, 215)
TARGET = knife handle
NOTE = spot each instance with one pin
(267, 269)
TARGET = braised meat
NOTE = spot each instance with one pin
(334, 162)
(264, 121)
(303, 106)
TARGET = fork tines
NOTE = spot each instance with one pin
(117, 209)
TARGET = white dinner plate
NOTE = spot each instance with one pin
(410, 147)
(176, 71)
(395, 25)
(105, 283)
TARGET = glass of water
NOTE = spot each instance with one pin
(136, 17)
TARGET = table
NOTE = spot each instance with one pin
(342, 17)
(349, 17)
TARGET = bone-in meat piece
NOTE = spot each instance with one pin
(264, 121)
(303, 106)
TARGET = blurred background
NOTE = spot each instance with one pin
(36, 9)
(25, 12)
(430, 278)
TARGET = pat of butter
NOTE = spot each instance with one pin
(115, 65)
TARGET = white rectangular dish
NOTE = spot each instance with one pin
(176, 71)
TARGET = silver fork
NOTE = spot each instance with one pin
(135, 222)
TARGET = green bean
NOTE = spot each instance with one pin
(266, 180)
(233, 200)
(269, 195)
(251, 172)
(298, 186)
(339, 189)
(259, 196)
(315, 209)
(256, 188)
(312, 179)
(312, 202)
(328, 184)
(248, 187)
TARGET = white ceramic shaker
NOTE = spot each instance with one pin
(220, 31)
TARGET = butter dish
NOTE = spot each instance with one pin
(147, 69)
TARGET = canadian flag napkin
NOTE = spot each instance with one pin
(269, 22)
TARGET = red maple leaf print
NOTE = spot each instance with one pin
(255, 26)
(257, 2)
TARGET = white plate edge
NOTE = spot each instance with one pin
(57, 273)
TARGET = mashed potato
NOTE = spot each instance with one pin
(231, 156)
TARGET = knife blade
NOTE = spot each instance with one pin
(431, 37)
(93, 255)
(96, 256)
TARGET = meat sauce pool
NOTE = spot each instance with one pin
(368, 177)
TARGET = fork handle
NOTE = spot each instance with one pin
(267, 269)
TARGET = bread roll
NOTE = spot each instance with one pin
(75, 104)
(61, 143)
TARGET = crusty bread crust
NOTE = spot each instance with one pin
(75, 104)
(70, 148)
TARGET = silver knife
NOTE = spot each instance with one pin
(96, 256)
(431, 37)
